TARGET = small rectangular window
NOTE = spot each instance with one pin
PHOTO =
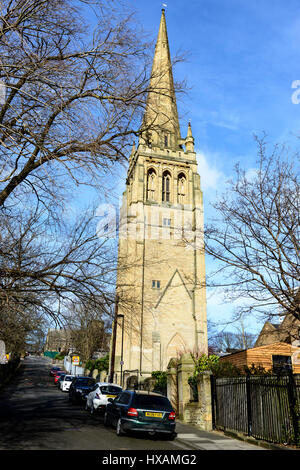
(166, 140)
(155, 284)
(281, 363)
(167, 222)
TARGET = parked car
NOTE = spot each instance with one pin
(141, 411)
(66, 382)
(54, 370)
(59, 379)
(80, 388)
(57, 375)
(97, 399)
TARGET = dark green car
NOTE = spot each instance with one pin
(141, 411)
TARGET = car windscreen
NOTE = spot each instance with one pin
(110, 389)
(151, 402)
(68, 378)
(82, 382)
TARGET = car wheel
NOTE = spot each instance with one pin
(106, 419)
(120, 431)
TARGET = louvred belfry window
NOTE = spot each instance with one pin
(181, 188)
(151, 185)
(166, 184)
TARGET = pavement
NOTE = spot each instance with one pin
(194, 438)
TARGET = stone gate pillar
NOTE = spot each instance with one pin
(172, 388)
(185, 370)
(205, 402)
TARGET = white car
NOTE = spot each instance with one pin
(66, 382)
(97, 399)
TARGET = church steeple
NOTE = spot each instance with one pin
(161, 125)
(160, 280)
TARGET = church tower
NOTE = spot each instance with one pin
(161, 268)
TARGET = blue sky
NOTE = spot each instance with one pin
(242, 59)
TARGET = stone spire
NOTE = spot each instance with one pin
(189, 141)
(160, 124)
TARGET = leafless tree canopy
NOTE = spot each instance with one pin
(47, 272)
(88, 330)
(256, 238)
(228, 341)
(74, 78)
(73, 96)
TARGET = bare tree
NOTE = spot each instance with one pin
(89, 327)
(74, 96)
(255, 239)
(76, 77)
(221, 340)
(16, 325)
(46, 270)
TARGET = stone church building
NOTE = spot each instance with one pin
(161, 267)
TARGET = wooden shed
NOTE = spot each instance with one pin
(273, 355)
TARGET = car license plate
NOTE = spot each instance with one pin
(111, 396)
(153, 415)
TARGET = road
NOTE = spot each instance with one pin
(36, 415)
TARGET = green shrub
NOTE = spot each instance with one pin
(257, 370)
(60, 356)
(160, 381)
(206, 363)
(212, 363)
(226, 369)
(90, 365)
(100, 364)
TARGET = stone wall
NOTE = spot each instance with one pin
(198, 413)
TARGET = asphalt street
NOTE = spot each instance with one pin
(36, 415)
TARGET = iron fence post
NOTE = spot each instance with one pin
(213, 400)
(293, 404)
(249, 408)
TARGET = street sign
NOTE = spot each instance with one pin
(75, 360)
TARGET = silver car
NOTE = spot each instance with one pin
(97, 399)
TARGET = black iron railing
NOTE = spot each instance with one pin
(265, 407)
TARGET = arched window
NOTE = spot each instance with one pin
(166, 186)
(151, 185)
(181, 188)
